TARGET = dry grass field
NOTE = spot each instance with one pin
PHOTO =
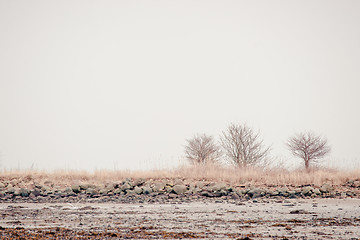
(211, 173)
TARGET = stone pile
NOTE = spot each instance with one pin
(153, 188)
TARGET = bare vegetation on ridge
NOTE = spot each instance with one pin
(210, 172)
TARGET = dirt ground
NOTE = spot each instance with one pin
(253, 219)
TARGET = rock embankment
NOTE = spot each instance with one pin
(22, 191)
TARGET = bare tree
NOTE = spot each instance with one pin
(202, 149)
(309, 147)
(242, 146)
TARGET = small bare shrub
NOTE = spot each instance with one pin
(309, 147)
(202, 149)
(243, 146)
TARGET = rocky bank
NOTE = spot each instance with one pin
(137, 190)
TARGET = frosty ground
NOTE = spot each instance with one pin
(208, 219)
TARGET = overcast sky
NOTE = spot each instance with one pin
(121, 84)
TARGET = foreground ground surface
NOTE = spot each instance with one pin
(207, 219)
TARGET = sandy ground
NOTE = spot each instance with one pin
(259, 219)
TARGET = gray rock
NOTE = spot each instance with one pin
(350, 194)
(36, 193)
(194, 190)
(239, 193)
(168, 189)
(158, 186)
(83, 186)
(200, 184)
(91, 191)
(128, 181)
(109, 188)
(218, 194)
(356, 184)
(10, 190)
(13, 182)
(244, 191)
(24, 192)
(223, 192)
(138, 190)
(292, 196)
(207, 194)
(68, 190)
(103, 191)
(255, 192)
(283, 192)
(317, 191)
(179, 189)
(147, 190)
(326, 188)
(88, 185)
(178, 182)
(234, 196)
(274, 193)
(2, 186)
(47, 192)
(307, 191)
(292, 193)
(130, 192)
(139, 182)
(45, 188)
(16, 192)
(218, 187)
(75, 188)
(125, 186)
(117, 191)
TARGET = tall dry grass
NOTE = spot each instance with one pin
(213, 173)
(274, 176)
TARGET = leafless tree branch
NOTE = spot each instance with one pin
(309, 147)
(202, 149)
(242, 146)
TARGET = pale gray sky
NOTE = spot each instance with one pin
(122, 84)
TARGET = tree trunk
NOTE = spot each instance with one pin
(307, 165)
